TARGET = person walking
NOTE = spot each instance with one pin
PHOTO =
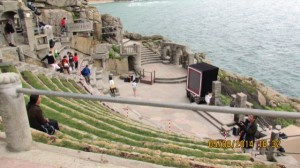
(63, 25)
(76, 59)
(36, 117)
(86, 74)
(134, 86)
(51, 61)
(9, 30)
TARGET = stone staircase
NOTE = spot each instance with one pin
(149, 57)
(171, 80)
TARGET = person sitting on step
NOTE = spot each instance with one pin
(51, 61)
(36, 117)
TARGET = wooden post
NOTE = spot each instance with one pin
(143, 73)
(151, 78)
(273, 145)
(154, 76)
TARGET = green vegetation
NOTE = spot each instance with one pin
(89, 126)
(8, 68)
(281, 121)
(225, 99)
(114, 52)
(76, 15)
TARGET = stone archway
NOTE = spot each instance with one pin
(8, 15)
(131, 63)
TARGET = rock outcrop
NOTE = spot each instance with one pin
(112, 29)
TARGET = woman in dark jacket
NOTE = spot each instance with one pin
(35, 114)
(248, 130)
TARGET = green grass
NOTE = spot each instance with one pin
(8, 68)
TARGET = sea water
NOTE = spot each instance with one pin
(255, 38)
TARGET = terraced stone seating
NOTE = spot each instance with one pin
(90, 126)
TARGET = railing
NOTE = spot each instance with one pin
(184, 106)
(80, 27)
(149, 78)
(129, 50)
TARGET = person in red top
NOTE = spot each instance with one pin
(76, 59)
(63, 25)
(65, 64)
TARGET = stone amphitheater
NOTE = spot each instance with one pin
(105, 134)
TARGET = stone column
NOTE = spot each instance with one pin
(14, 115)
(240, 102)
(273, 145)
(177, 56)
(1, 56)
(216, 92)
(138, 58)
(21, 54)
(28, 26)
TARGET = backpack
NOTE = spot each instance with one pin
(49, 129)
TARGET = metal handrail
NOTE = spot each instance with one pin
(186, 106)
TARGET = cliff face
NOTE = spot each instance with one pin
(52, 11)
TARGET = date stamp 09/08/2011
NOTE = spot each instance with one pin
(242, 144)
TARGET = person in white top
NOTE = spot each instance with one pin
(207, 98)
(134, 85)
(112, 86)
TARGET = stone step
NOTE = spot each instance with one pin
(210, 119)
(150, 58)
(170, 81)
(151, 62)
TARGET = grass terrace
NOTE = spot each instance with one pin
(90, 126)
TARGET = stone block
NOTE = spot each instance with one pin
(241, 100)
(10, 5)
(1, 8)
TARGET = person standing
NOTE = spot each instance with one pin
(63, 25)
(65, 64)
(36, 117)
(51, 61)
(134, 86)
(86, 74)
(9, 30)
(71, 60)
(247, 135)
(76, 59)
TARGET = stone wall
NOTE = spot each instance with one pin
(10, 54)
(116, 66)
(84, 45)
(53, 17)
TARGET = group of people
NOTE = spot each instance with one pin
(68, 63)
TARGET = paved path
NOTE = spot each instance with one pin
(48, 156)
(181, 121)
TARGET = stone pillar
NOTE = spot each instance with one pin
(138, 58)
(14, 115)
(21, 54)
(177, 56)
(1, 56)
(240, 102)
(273, 145)
(216, 92)
(191, 58)
(28, 26)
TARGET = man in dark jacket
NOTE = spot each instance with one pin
(9, 30)
(35, 114)
(248, 130)
(86, 73)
